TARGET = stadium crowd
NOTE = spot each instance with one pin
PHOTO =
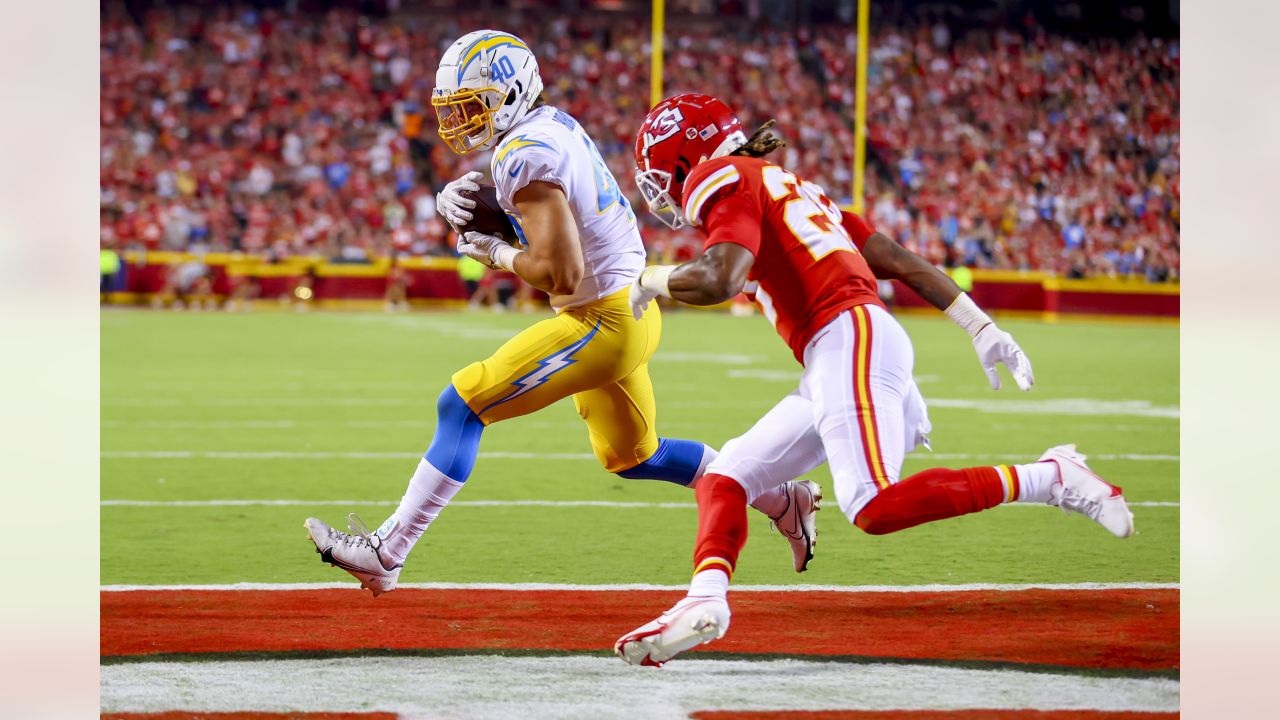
(230, 128)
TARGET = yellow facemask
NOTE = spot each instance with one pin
(466, 121)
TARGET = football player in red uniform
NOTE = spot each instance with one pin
(812, 268)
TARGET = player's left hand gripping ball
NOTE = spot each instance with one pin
(996, 346)
(453, 203)
(480, 247)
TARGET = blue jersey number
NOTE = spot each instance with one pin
(607, 191)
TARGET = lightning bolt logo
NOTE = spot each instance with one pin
(516, 144)
(548, 366)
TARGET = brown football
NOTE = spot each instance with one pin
(489, 217)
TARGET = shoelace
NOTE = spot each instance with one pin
(1071, 499)
(360, 534)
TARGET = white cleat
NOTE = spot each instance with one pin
(356, 553)
(798, 522)
(689, 623)
(1081, 490)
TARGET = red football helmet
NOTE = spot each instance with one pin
(679, 133)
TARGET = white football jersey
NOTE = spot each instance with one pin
(550, 146)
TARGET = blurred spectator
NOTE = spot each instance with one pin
(398, 281)
(471, 272)
(245, 288)
(311, 133)
(303, 290)
(187, 285)
(109, 265)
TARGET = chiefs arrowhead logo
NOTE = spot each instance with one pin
(665, 125)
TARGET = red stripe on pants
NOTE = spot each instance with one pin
(864, 408)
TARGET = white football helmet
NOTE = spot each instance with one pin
(487, 81)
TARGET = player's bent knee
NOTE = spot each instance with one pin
(452, 409)
(457, 438)
(675, 461)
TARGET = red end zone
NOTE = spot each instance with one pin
(183, 715)
(1133, 629)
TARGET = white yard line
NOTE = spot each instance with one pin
(1134, 457)
(1058, 406)
(502, 455)
(534, 688)
(526, 587)
(999, 406)
(203, 424)
(474, 503)
(258, 401)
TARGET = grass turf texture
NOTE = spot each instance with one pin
(368, 382)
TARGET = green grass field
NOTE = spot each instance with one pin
(193, 406)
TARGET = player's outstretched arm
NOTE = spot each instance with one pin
(889, 260)
(714, 278)
(553, 263)
(733, 235)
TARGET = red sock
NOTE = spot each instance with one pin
(722, 523)
(931, 495)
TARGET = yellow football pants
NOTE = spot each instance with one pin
(598, 353)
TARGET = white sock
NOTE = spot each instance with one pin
(428, 492)
(1035, 481)
(709, 454)
(772, 502)
(712, 582)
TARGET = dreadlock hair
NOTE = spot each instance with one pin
(762, 142)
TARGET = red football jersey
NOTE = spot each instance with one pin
(807, 268)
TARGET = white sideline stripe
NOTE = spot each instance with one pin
(523, 587)
(477, 503)
(500, 455)
(603, 688)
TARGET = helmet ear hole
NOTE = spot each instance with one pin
(511, 98)
(682, 171)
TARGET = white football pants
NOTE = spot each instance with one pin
(857, 408)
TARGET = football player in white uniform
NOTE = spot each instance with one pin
(580, 244)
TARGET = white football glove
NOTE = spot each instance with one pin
(649, 284)
(489, 250)
(996, 346)
(452, 205)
